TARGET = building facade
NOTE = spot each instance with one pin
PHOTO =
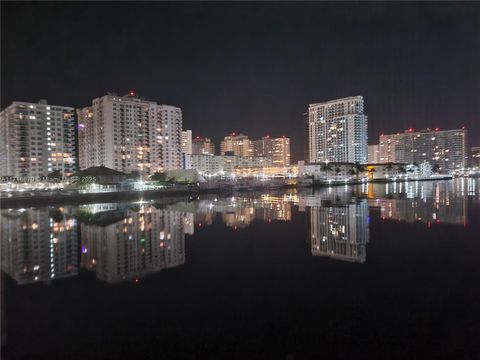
(128, 133)
(446, 149)
(187, 142)
(224, 165)
(373, 154)
(337, 131)
(37, 139)
(276, 148)
(202, 146)
(236, 144)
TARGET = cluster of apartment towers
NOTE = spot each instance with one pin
(129, 133)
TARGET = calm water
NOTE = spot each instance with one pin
(377, 271)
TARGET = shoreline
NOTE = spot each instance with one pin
(168, 194)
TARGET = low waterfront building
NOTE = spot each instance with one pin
(224, 165)
(350, 172)
(329, 171)
(268, 171)
(98, 178)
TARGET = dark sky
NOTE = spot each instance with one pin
(252, 67)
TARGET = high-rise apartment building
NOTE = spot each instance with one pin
(202, 146)
(236, 144)
(337, 131)
(37, 139)
(447, 149)
(128, 133)
(187, 142)
(373, 154)
(276, 148)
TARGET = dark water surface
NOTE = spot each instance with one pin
(373, 271)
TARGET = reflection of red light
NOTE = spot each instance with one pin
(438, 221)
(235, 228)
(429, 224)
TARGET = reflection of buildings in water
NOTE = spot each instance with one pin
(428, 202)
(203, 218)
(188, 224)
(327, 196)
(340, 231)
(144, 241)
(238, 212)
(38, 244)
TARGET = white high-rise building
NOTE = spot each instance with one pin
(128, 133)
(187, 142)
(337, 131)
(37, 139)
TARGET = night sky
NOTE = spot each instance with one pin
(252, 67)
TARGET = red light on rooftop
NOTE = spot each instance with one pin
(197, 137)
(437, 129)
(410, 130)
(131, 93)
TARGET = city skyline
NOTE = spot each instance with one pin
(414, 83)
